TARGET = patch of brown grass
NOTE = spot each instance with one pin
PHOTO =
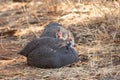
(95, 25)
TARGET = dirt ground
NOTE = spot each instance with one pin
(14, 67)
(95, 26)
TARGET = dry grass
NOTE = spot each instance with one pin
(96, 28)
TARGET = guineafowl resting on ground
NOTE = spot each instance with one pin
(49, 51)
(52, 28)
